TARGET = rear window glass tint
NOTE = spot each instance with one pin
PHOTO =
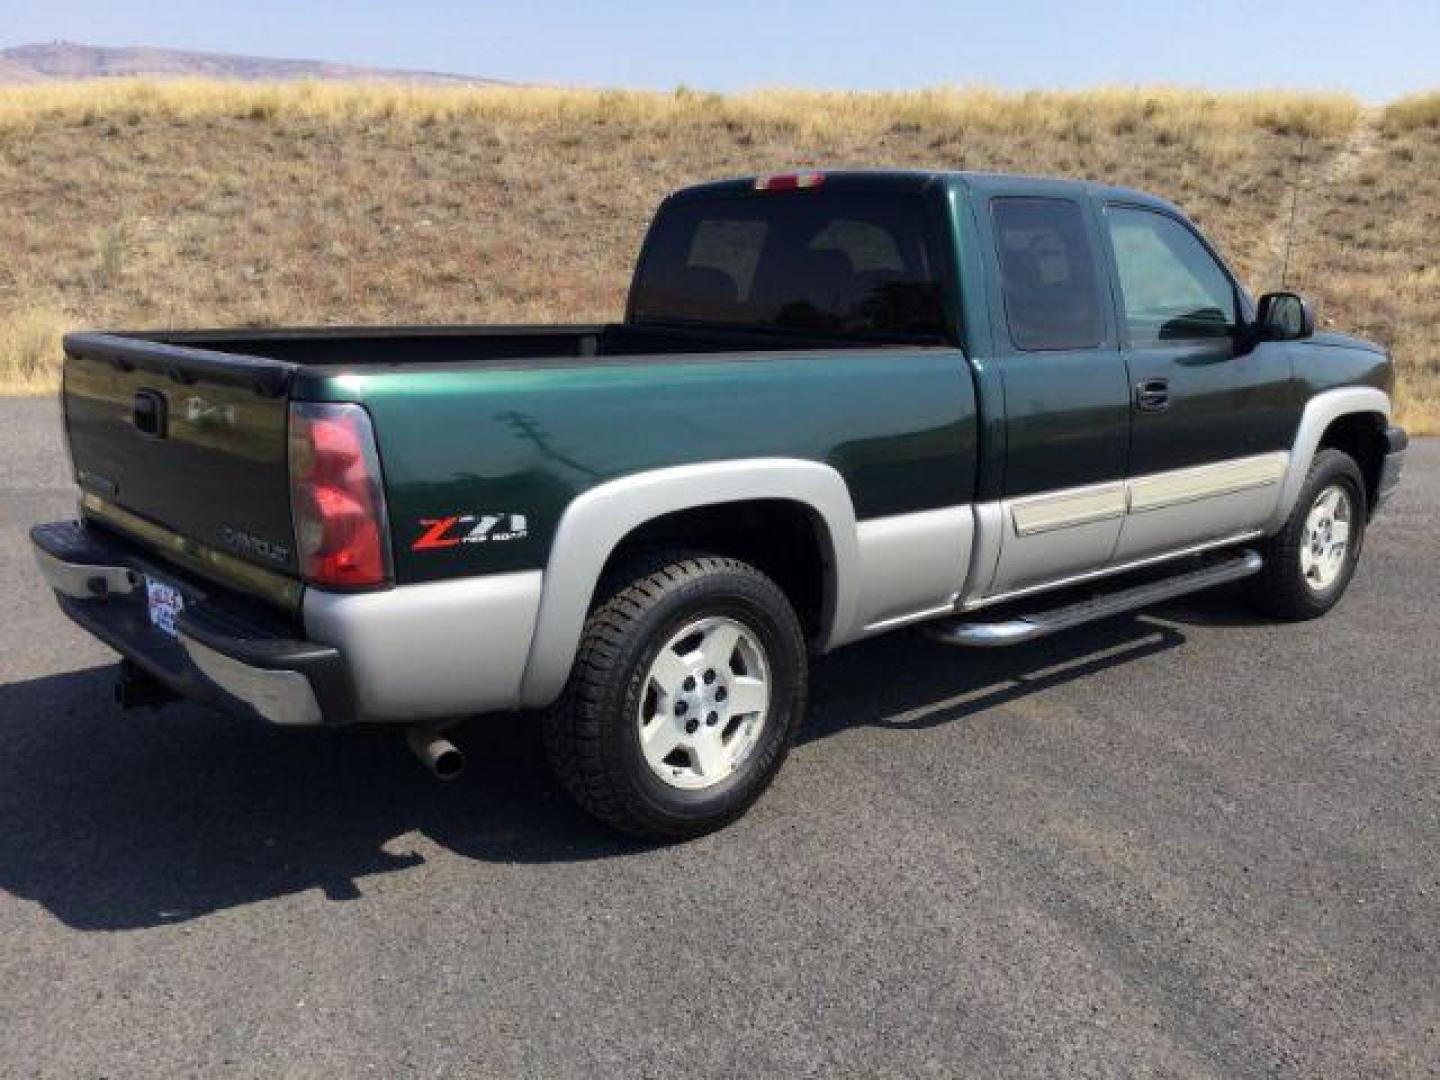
(1047, 272)
(835, 263)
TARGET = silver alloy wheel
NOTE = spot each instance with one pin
(1325, 539)
(704, 704)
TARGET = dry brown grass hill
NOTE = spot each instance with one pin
(133, 204)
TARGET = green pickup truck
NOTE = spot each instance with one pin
(839, 403)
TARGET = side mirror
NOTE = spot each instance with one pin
(1284, 316)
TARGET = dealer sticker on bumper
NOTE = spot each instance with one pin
(165, 603)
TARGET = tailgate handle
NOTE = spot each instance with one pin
(149, 413)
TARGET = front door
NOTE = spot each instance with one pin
(1210, 424)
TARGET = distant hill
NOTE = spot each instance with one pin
(12, 73)
(64, 60)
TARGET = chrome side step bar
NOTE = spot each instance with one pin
(1040, 624)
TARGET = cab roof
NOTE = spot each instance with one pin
(984, 184)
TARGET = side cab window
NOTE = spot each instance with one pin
(1053, 298)
(1171, 287)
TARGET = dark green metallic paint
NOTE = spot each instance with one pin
(910, 428)
(1330, 361)
(1065, 419)
(1228, 397)
(284, 592)
(977, 336)
(898, 425)
(217, 469)
(1066, 413)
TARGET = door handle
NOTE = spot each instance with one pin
(1152, 395)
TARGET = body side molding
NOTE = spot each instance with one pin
(1198, 504)
(1043, 541)
(1321, 411)
(595, 523)
(1063, 509)
(1160, 490)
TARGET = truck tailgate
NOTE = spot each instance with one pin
(191, 441)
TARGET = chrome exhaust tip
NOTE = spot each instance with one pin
(443, 758)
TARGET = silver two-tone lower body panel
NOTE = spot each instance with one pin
(1052, 539)
(438, 649)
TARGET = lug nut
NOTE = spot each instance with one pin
(709, 676)
(691, 726)
(681, 708)
(690, 683)
(720, 694)
(712, 719)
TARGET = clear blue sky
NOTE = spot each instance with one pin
(1378, 49)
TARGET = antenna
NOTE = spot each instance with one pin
(1294, 205)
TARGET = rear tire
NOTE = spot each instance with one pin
(1309, 562)
(687, 688)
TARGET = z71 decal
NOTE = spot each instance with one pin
(457, 529)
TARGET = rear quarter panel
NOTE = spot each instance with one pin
(897, 424)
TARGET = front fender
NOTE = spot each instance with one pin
(1320, 412)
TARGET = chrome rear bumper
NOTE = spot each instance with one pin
(225, 651)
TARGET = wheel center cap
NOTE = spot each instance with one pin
(703, 701)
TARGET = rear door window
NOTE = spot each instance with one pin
(1052, 292)
(851, 263)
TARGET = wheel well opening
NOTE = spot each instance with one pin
(1362, 436)
(785, 540)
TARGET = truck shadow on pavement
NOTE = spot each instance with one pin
(115, 822)
(923, 684)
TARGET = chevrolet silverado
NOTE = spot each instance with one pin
(839, 403)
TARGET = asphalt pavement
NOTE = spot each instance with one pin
(1187, 843)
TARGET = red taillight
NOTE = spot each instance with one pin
(789, 181)
(337, 498)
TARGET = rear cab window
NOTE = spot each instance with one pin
(847, 262)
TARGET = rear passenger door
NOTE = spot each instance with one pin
(1209, 423)
(1066, 388)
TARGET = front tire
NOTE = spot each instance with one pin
(687, 688)
(1310, 561)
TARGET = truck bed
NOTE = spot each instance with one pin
(491, 346)
(209, 483)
